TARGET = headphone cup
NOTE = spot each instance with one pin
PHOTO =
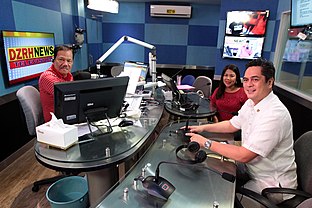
(200, 156)
(193, 146)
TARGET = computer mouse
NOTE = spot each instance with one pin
(124, 123)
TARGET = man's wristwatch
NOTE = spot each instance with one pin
(207, 144)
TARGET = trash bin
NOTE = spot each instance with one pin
(69, 192)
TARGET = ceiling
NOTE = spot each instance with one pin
(178, 1)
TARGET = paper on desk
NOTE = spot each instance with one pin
(83, 129)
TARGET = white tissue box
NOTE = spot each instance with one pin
(57, 136)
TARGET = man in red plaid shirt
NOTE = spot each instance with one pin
(58, 72)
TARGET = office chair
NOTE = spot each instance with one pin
(29, 99)
(203, 86)
(303, 194)
(188, 80)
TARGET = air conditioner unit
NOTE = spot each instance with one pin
(171, 11)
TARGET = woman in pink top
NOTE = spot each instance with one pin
(229, 97)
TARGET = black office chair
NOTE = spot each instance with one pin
(29, 99)
(303, 194)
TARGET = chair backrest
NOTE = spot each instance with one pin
(305, 204)
(29, 99)
(303, 151)
(203, 85)
(116, 70)
(188, 80)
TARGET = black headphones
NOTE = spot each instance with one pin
(200, 155)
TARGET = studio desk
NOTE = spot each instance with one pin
(196, 185)
(105, 168)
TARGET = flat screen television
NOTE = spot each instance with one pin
(242, 47)
(298, 51)
(96, 98)
(246, 23)
(25, 55)
(301, 13)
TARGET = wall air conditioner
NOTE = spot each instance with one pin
(170, 11)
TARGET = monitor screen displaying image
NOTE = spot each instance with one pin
(242, 47)
(298, 51)
(301, 13)
(246, 23)
(137, 72)
(25, 55)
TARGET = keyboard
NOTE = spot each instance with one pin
(134, 103)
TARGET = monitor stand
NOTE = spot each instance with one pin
(93, 116)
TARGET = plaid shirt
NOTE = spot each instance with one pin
(46, 87)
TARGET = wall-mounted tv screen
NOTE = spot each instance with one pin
(246, 23)
(301, 13)
(242, 47)
(25, 55)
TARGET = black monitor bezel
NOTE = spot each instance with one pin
(73, 91)
(172, 86)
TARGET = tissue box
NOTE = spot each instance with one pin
(57, 136)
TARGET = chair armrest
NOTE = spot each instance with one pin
(256, 197)
(265, 192)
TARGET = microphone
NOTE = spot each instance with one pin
(160, 187)
(178, 72)
(181, 132)
(82, 75)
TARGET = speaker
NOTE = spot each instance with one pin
(200, 155)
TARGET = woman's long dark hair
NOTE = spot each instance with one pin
(222, 87)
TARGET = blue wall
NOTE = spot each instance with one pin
(195, 41)
(178, 41)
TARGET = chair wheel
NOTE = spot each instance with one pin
(35, 188)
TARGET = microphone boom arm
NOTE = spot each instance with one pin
(227, 176)
(152, 54)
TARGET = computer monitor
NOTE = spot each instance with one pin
(177, 97)
(137, 72)
(97, 99)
